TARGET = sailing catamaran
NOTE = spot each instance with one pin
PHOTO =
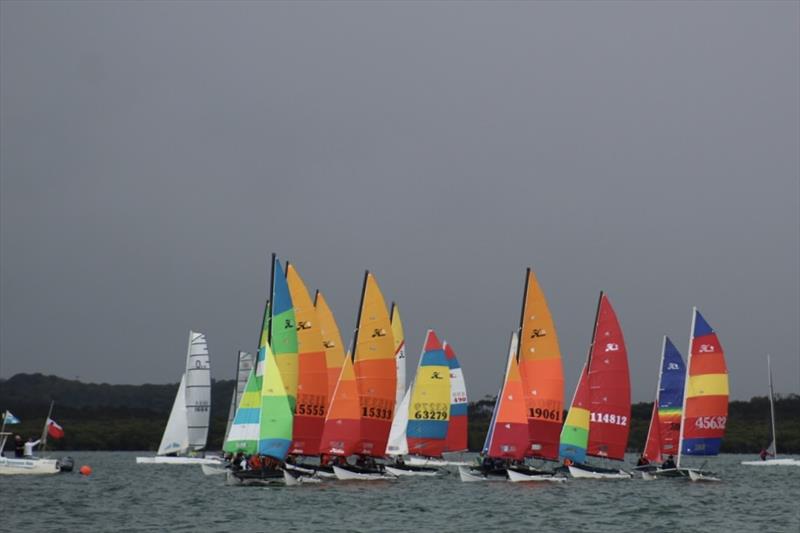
(375, 370)
(421, 421)
(598, 421)
(665, 421)
(772, 450)
(539, 360)
(187, 426)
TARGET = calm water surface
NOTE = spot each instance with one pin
(123, 496)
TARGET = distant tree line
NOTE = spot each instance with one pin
(132, 417)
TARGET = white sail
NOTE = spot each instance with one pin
(400, 363)
(398, 443)
(198, 390)
(243, 368)
(176, 435)
(772, 449)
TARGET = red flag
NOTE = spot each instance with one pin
(54, 430)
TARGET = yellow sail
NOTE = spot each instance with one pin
(331, 341)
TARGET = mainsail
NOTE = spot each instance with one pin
(398, 441)
(375, 369)
(275, 424)
(399, 351)
(282, 332)
(198, 390)
(598, 421)
(244, 365)
(705, 401)
(509, 427)
(331, 340)
(665, 421)
(542, 374)
(457, 427)
(343, 422)
(312, 381)
(429, 409)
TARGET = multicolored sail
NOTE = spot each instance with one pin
(509, 439)
(342, 429)
(457, 428)
(376, 370)
(275, 424)
(542, 374)
(312, 381)
(429, 410)
(283, 332)
(331, 340)
(399, 351)
(705, 403)
(598, 422)
(665, 421)
(244, 366)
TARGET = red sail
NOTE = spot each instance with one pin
(652, 449)
(609, 387)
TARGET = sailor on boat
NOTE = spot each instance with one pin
(30, 445)
(765, 453)
(669, 463)
(642, 461)
(19, 446)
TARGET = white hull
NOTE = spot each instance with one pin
(38, 466)
(403, 472)
(162, 460)
(213, 470)
(517, 477)
(295, 480)
(696, 475)
(773, 462)
(425, 461)
(580, 473)
(468, 475)
(347, 475)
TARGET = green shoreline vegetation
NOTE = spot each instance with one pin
(132, 417)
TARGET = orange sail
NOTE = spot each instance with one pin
(312, 380)
(376, 371)
(342, 429)
(509, 434)
(331, 341)
(542, 374)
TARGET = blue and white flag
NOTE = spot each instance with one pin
(8, 418)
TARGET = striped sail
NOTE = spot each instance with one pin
(542, 374)
(665, 422)
(342, 428)
(457, 428)
(399, 351)
(244, 365)
(312, 381)
(376, 370)
(509, 438)
(705, 403)
(198, 390)
(331, 340)
(282, 332)
(575, 433)
(275, 424)
(429, 410)
(244, 433)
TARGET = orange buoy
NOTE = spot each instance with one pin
(85, 470)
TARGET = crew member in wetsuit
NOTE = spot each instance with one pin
(669, 463)
(19, 446)
(642, 461)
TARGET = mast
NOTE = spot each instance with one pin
(44, 429)
(522, 311)
(658, 392)
(772, 410)
(354, 346)
(686, 386)
(271, 295)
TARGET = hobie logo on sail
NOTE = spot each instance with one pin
(612, 347)
(673, 366)
(706, 348)
(538, 332)
(378, 332)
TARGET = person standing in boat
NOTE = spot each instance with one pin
(30, 445)
(19, 446)
(669, 463)
(642, 461)
(765, 453)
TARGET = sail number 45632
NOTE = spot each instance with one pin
(710, 422)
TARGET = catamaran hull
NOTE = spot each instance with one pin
(697, 475)
(585, 473)
(773, 462)
(345, 474)
(214, 470)
(518, 477)
(469, 475)
(409, 470)
(10, 466)
(250, 478)
(323, 472)
(164, 460)
(424, 461)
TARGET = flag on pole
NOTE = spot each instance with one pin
(8, 418)
(54, 430)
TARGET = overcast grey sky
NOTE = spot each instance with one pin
(154, 154)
